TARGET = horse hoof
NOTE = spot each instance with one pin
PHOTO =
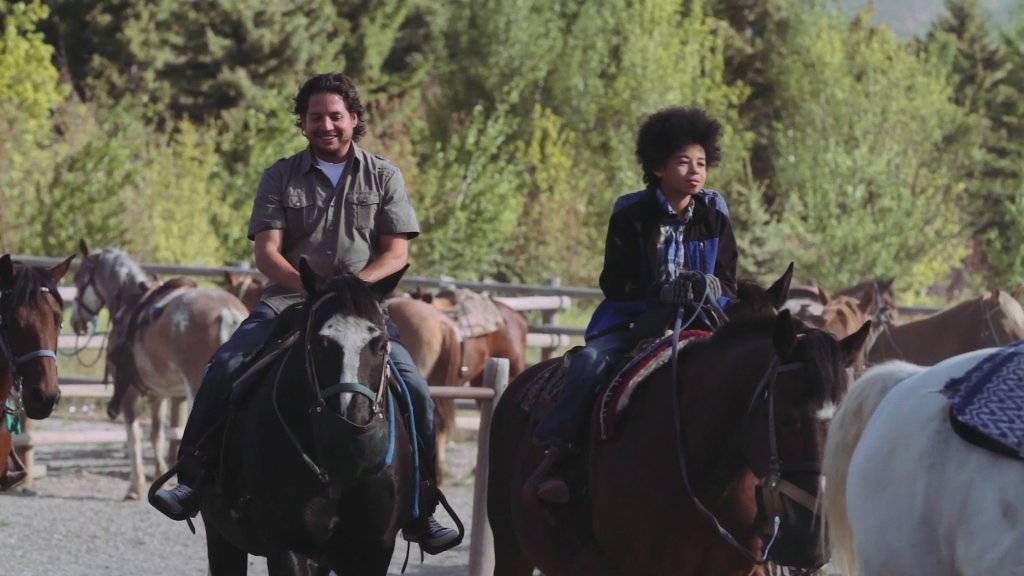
(132, 495)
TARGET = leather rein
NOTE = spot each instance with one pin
(774, 486)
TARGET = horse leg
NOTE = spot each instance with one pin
(157, 407)
(224, 558)
(289, 564)
(137, 476)
(371, 561)
(509, 559)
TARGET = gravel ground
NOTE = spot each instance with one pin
(75, 521)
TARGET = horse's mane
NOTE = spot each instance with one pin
(125, 266)
(354, 296)
(818, 346)
(28, 284)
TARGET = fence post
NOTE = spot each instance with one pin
(481, 544)
(550, 318)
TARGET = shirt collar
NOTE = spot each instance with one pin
(669, 210)
(309, 160)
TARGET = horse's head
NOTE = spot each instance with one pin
(30, 319)
(787, 417)
(90, 297)
(754, 301)
(347, 342)
(1004, 319)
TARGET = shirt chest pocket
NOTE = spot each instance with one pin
(302, 211)
(362, 205)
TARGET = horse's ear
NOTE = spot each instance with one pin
(885, 284)
(307, 276)
(83, 248)
(784, 335)
(852, 344)
(385, 286)
(58, 271)
(995, 294)
(231, 279)
(779, 290)
(6, 271)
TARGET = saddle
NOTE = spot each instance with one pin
(474, 314)
(133, 319)
(987, 402)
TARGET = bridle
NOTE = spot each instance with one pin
(14, 405)
(773, 485)
(319, 403)
(988, 319)
(90, 283)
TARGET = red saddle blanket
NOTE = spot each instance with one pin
(615, 398)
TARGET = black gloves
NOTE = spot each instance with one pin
(690, 286)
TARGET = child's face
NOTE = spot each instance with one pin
(684, 172)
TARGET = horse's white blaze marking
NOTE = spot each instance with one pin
(352, 335)
(824, 414)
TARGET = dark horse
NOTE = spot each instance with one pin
(743, 419)
(315, 466)
(30, 319)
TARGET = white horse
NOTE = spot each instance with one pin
(905, 495)
(170, 351)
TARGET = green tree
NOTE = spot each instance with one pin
(863, 155)
(29, 93)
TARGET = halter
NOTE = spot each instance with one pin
(90, 282)
(773, 484)
(14, 405)
(988, 320)
(319, 396)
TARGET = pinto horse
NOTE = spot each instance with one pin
(906, 495)
(30, 319)
(993, 320)
(171, 333)
(744, 417)
(315, 463)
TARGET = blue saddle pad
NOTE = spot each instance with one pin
(989, 398)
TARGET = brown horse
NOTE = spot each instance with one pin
(30, 319)
(433, 342)
(750, 400)
(246, 287)
(447, 360)
(993, 320)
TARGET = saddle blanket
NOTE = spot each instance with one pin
(989, 398)
(474, 314)
(615, 398)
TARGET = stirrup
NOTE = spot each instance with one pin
(158, 484)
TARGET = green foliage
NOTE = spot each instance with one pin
(29, 92)
(468, 198)
(871, 183)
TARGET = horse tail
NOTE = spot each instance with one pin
(845, 430)
(449, 368)
(229, 319)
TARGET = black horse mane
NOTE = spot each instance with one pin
(354, 297)
(815, 346)
(28, 284)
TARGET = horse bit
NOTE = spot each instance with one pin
(14, 406)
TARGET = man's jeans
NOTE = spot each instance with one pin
(214, 395)
(588, 369)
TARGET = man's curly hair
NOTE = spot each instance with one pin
(336, 84)
(669, 129)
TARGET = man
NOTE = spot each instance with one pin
(670, 244)
(342, 208)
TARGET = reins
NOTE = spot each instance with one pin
(774, 481)
(319, 396)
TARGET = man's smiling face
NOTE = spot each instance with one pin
(328, 126)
